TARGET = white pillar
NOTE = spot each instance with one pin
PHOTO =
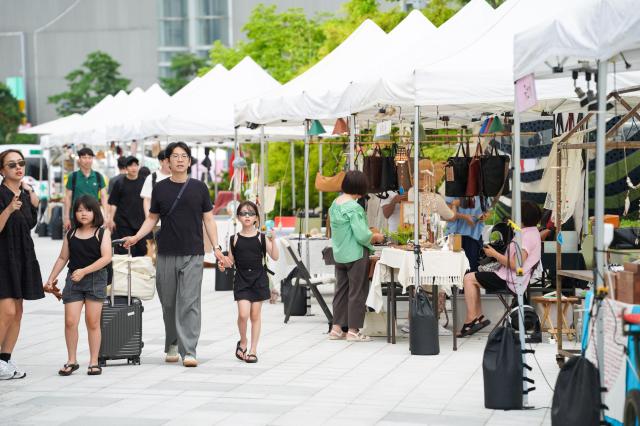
(293, 178)
(416, 195)
(261, 179)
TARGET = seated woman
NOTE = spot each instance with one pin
(503, 278)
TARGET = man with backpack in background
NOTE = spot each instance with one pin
(85, 181)
(122, 170)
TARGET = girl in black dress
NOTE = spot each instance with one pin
(87, 248)
(248, 251)
(20, 272)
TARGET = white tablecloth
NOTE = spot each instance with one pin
(283, 266)
(442, 268)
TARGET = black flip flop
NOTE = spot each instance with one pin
(64, 372)
(251, 359)
(94, 370)
(243, 351)
(474, 326)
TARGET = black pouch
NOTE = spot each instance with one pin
(423, 326)
(502, 370)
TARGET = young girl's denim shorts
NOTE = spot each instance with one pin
(92, 287)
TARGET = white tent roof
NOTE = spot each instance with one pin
(583, 30)
(127, 126)
(64, 124)
(316, 92)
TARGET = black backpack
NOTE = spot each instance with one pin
(577, 396)
(74, 179)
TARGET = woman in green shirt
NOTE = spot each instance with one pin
(351, 240)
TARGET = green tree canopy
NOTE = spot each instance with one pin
(98, 77)
(185, 67)
(10, 114)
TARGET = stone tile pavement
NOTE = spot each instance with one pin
(301, 377)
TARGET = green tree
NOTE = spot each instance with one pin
(281, 43)
(439, 11)
(10, 114)
(185, 67)
(98, 77)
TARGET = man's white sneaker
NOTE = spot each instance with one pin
(18, 372)
(443, 331)
(172, 354)
(6, 371)
(189, 361)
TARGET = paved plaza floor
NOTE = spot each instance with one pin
(301, 377)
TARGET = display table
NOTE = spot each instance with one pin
(440, 268)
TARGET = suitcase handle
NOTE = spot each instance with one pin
(115, 243)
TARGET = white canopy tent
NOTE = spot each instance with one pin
(585, 35)
(60, 125)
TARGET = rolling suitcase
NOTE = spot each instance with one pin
(121, 326)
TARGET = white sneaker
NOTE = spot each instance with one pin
(7, 371)
(172, 354)
(190, 361)
(18, 373)
(443, 331)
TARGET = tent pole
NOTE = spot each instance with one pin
(352, 142)
(236, 178)
(320, 170)
(261, 178)
(599, 208)
(516, 215)
(293, 178)
(585, 219)
(215, 174)
(306, 190)
(416, 198)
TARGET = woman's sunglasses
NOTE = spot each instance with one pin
(246, 214)
(14, 164)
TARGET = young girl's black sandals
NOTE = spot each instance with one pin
(68, 369)
(242, 351)
(94, 370)
(251, 359)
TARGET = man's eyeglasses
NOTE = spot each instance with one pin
(14, 164)
(177, 156)
(246, 214)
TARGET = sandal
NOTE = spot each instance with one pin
(68, 369)
(357, 337)
(251, 359)
(94, 370)
(474, 326)
(242, 351)
(334, 335)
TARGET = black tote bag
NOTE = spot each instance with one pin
(577, 397)
(456, 173)
(389, 173)
(423, 326)
(502, 370)
(495, 170)
(372, 168)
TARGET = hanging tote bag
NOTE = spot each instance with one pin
(389, 177)
(456, 173)
(474, 177)
(373, 170)
(329, 183)
(495, 170)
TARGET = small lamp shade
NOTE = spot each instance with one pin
(341, 127)
(316, 128)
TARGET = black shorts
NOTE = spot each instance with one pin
(491, 282)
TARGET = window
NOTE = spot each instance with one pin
(173, 32)
(213, 8)
(212, 29)
(172, 8)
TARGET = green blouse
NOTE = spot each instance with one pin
(349, 231)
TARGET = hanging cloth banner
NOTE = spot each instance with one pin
(383, 130)
(526, 96)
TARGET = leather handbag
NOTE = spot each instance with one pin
(456, 173)
(389, 174)
(329, 183)
(495, 170)
(474, 177)
(373, 170)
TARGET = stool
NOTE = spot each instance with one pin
(547, 303)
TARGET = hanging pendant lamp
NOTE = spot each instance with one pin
(316, 128)
(341, 127)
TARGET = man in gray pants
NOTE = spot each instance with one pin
(183, 204)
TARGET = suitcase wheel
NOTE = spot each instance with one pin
(134, 360)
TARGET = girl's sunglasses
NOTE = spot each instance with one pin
(246, 214)
(14, 164)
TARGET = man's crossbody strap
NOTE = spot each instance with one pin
(175, 203)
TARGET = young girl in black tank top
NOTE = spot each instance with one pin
(248, 250)
(87, 248)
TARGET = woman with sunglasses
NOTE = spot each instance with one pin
(20, 278)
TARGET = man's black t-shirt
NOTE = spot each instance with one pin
(125, 195)
(181, 232)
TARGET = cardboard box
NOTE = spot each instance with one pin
(627, 289)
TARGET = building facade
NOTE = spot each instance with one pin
(42, 41)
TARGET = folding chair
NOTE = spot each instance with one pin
(303, 277)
